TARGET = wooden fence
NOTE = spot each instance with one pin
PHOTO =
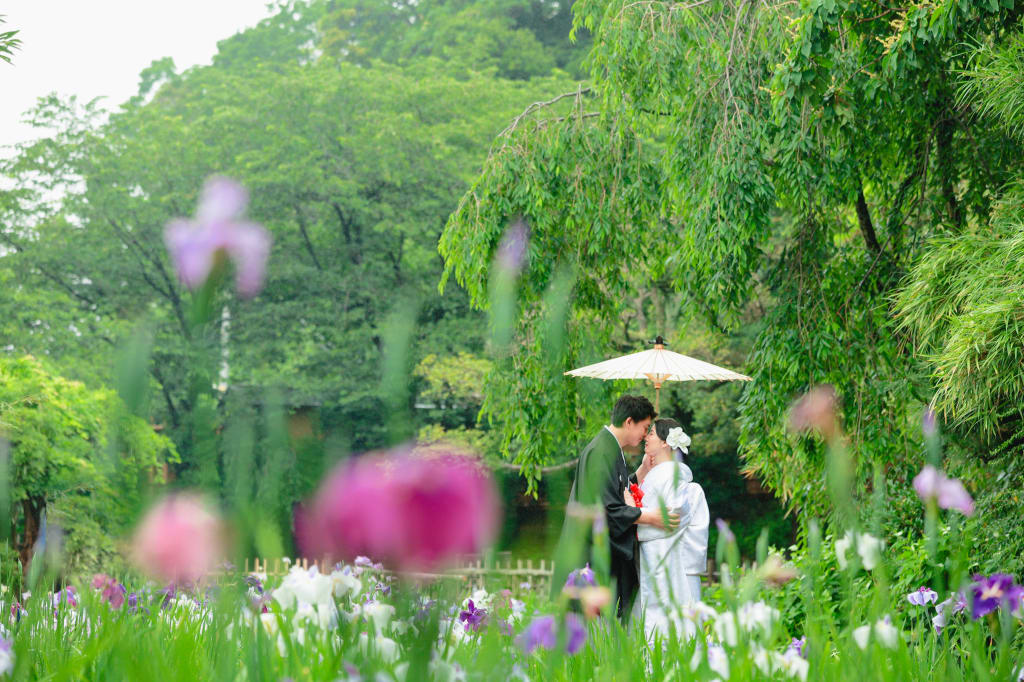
(472, 571)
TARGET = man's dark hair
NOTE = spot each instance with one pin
(635, 407)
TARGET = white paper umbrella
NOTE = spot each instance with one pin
(657, 365)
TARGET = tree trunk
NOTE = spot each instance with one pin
(32, 508)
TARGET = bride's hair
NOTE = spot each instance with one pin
(662, 427)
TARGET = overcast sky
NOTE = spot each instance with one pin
(98, 47)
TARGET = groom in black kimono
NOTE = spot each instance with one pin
(603, 477)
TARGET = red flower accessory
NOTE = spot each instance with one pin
(638, 495)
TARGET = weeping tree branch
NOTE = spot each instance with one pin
(867, 228)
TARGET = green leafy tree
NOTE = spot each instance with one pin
(775, 177)
(72, 448)
(354, 168)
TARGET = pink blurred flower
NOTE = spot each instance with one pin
(412, 509)
(195, 245)
(816, 411)
(180, 540)
(948, 493)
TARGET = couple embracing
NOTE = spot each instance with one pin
(656, 517)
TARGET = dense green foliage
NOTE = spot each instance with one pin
(8, 43)
(353, 164)
(778, 180)
(76, 453)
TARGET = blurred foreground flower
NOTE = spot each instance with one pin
(542, 633)
(717, 659)
(195, 245)
(948, 493)
(425, 508)
(775, 572)
(179, 540)
(883, 632)
(581, 577)
(816, 411)
(991, 592)
(868, 547)
(6, 655)
(724, 531)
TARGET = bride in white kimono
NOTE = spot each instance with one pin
(670, 561)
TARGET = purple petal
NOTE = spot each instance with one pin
(222, 200)
(577, 633)
(723, 529)
(927, 482)
(512, 250)
(928, 422)
(249, 247)
(953, 495)
(191, 251)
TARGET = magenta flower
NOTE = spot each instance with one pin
(112, 591)
(989, 593)
(180, 540)
(196, 245)
(412, 509)
(922, 596)
(948, 493)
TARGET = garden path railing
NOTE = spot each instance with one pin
(474, 572)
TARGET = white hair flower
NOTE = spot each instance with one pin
(677, 440)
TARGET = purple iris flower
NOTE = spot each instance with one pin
(796, 647)
(952, 606)
(195, 245)
(67, 595)
(423, 612)
(17, 611)
(577, 633)
(922, 596)
(948, 493)
(255, 583)
(169, 592)
(989, 593)
(473, 618)
(724, 531)
(539, 633)
(581, 577)
(512, 249)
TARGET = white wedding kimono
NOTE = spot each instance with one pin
(671, 562)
